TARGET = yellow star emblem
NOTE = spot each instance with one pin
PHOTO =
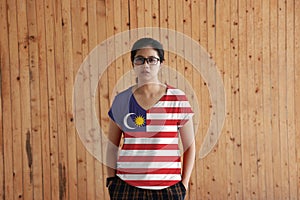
(139, 121)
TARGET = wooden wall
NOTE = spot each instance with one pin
(255, 44)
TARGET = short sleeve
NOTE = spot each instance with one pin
(186, 112)
(119, 107)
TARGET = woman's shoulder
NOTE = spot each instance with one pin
(124, 93)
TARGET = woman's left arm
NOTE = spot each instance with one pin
(188, 142)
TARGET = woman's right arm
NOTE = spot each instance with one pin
(114, 137)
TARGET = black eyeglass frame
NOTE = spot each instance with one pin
(148, 60)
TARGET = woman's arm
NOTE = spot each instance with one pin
(114, 137)
(188, 142)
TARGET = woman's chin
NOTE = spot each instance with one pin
(144, 81)
(145, 77)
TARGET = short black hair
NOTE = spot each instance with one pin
(148, 42)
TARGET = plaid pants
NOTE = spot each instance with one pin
(120, 190)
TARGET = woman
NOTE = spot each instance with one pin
(151, 116)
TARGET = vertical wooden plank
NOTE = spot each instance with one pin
(258, 72)
(243, 74)
(125, 26)
(133, 16)
(133, 24)
(51, 77)
(69, 65)
(4, 62)
(78, 55)
(44, 111)
(77, 59)
(187, 30)
(211, 30)
(199, 88)
(98, 164)
(111, 47)
(82, 153)
(16, 114)
(81, 49)
(172, 57)
(291, 130)
(212, 176)
(282, 89)
(297, 89)
(104, 103)
(220, 21)
(203, 23)
(251, 135)
(163, 23)
(15, 99)
(196, 84)
(266, 87)
(92, 24)
(155, 16)
(179, 19)
(140, 12)
(92, 41)
(4, 28)
(228, 83)
(204, 104)
(163, 16)
(236, 170)
(88, 165)
(118, 43)
(148, 17)
(275, 99)
(188, 68)
(227, 71)
(6, 115)
(250, 138)
(35, 100)
(110, 79)
(23, 40)
(60, 101)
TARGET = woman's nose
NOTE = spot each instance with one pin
(146, 65)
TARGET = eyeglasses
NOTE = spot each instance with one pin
(139, 60)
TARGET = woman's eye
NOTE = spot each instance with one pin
(139, 60)
(151, 60)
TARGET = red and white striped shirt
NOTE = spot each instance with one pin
(150, 155)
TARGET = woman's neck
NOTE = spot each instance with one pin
(148, 83)
(150, 88)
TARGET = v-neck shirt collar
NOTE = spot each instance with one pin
(137, 103)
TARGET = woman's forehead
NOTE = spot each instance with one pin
(147, 51)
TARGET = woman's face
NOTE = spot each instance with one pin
(148, 71)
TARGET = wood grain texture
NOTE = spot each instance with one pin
(255, 45)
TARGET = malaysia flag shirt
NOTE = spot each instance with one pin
(150, 156)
